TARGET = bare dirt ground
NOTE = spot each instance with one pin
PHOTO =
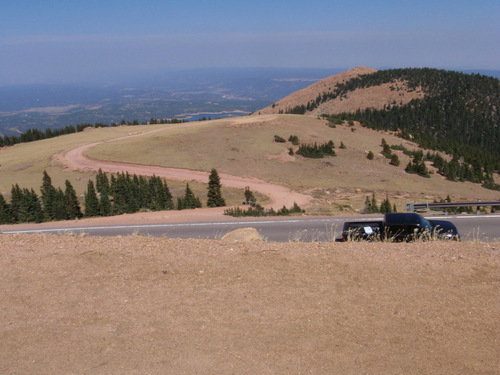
(138, 305)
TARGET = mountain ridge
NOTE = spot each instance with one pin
(372, 97)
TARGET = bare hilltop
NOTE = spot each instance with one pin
(373, 97)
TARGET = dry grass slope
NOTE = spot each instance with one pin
(244, 147)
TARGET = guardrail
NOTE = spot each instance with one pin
(419, 207)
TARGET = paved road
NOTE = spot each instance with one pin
(471, 227)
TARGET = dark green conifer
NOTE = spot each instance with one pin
(189, 200)
(385, 206)
(59, 208)
(31, 208)
(16, 197)
(73, 210)
(102, 182)
(49, 197)
(214, 196)
(91, 201)
(105, 207)
(394, 160)
(5, 213)
(249, 197)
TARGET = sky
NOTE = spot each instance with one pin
(58, 41)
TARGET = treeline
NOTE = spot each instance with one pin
(32, 135)
(108, 195)
(454, 170)
(257, 211)
(458, 170)
(458, 115)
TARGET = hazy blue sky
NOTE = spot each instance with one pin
(77, 40)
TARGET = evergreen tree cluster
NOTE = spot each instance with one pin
(189, 200)
(123, 193)
(456, 170)
(26, 206)
(316, 151)
(107, 196)
(371, 206)
(417, 165)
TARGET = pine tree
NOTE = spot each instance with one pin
(189, 200)
(386, 151)
(371, 205)
(49, 197)
(105, 207)
(161, 198)
(59, 208)
(30, 208)
(249, 197)
(374, 204)
(394, 160)
(73, 210)
(166, 198)
(385, 206)
(119, 192)
(91, 201)
(5, 213)
(102, 182)
(370, 155)
(214, 197)
(16, 197)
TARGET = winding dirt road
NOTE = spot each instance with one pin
(76, 159)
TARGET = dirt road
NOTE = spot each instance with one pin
(280, 196)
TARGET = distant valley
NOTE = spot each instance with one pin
(183, 94)
(188, 94)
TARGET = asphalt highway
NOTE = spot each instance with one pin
(280, 229)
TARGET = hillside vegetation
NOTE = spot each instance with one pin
(452, 112)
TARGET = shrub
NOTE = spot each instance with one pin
(294, 139)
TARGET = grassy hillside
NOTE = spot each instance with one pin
(442, 110)
(245, 147)
(24, 163)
